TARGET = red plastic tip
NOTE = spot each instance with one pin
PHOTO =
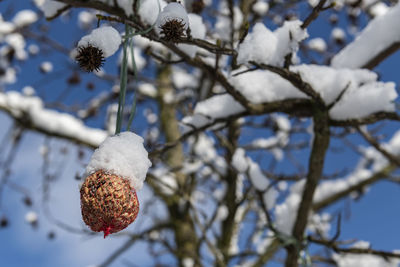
(107, 231)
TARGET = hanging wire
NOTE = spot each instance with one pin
(123, 83)
(135, 72)
(128, 40)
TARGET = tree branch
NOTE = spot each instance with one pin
(316, 164)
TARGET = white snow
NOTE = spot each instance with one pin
(260, 7)
(372, 162)
(223, 25)
(57, 123)
(363, 260)
(126, 5)
(149, 10)
(364, 94)
(172, 11)
(6, 28)
(147, 89)
(33, 49)
(86, 19)
(338, 34)
(166, 180)
(197, 30)
(105, 38)
(124, 155)
(286, 212)
(31, 217)
(363, 89)
(264, 86)
(17, 41)
(267, 47)
(379, 9)
(379, 34)
(275, 142)
(46, 67)
(205, 150)
(24, 18)
(188, 262)
(183, 79)
(244, 164)
(317, 44)
(9, 76)
(219, 106)
(28, 90)
(49, 7)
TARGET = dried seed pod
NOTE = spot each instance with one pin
(90, 58)
(172, 23)
(108, 202)
(173, 30)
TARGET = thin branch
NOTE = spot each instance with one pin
(314, 14)
(369, 251)
(372, 141)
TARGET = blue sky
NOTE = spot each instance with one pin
(374, 218)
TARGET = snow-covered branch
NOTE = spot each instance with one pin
(30, 112)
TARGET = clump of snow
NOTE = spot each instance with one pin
(17, 41)
(338, 34)
(182, 79)
(105, 38)
(126, 5)
(33, 49)
(260, 7)
(264, 46)
(363, 260)
(166, 180)
(124, 155)
(379, 9)
(6, 27)
(286, 212)
(320, 223)
(31, 217)
(276, 142)
(188, 262)
(86, 19)
(10, 74)
(147, 89)
(223, 25)
(49, 7)
(219, 106)
(379, 34)
(364, 95)
(317, 44)
(197, 30)
(205, 150)
(57, 123)
(46, 67)
(149, 10)
(24, 18)
(28, 90)
(264, 86)
(244, 164)
(364, 100)
(172, 11)
(111, 118)
(313, 3)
